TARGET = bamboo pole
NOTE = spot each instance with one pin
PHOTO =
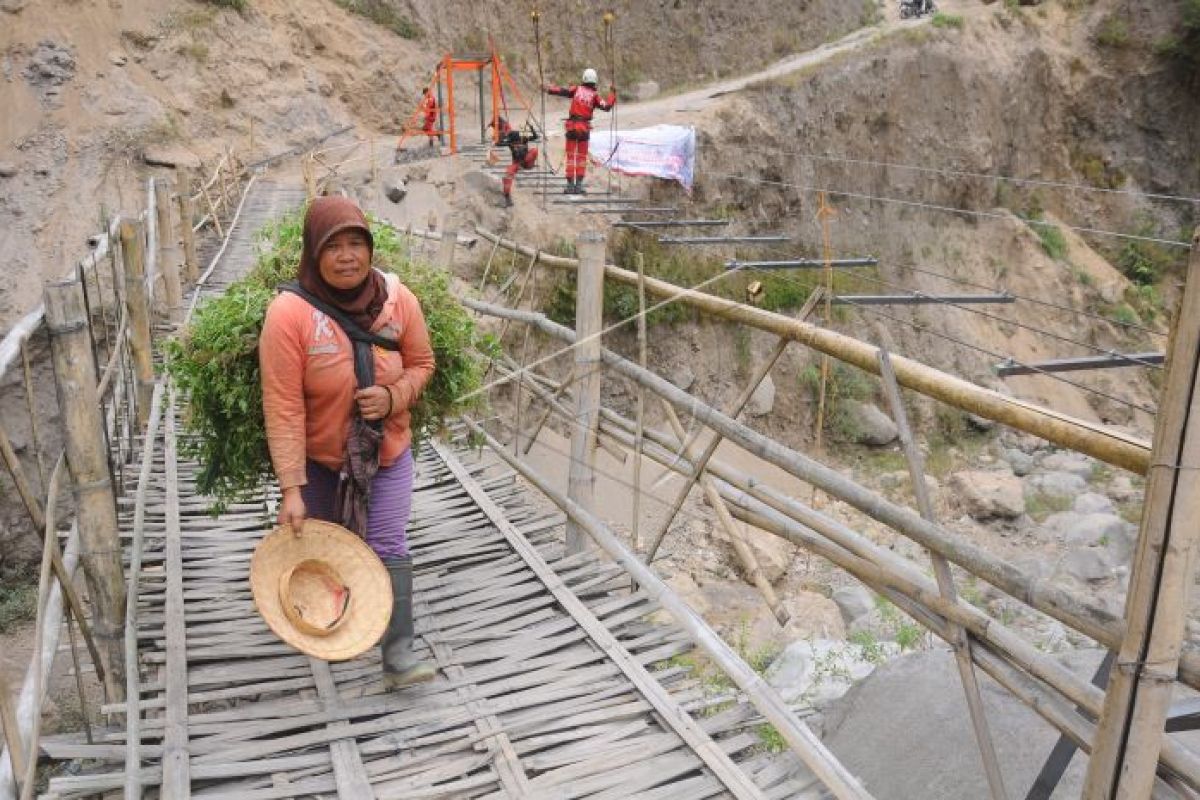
(168, 255)
(445, 258)
(825, 215)
(12, 735)
(799, 738)
(957, 637)
(1140, 687)
(87, 456)
(35, 428)
(187, 210)
(487, 268)
(541, 423)
(589, 319)
(641, 408)
(51, 533)
(521, 368)
(1080, 613)
(1106, 444)
(736, 537)
(137, 306)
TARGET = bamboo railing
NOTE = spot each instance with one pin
(101, 321)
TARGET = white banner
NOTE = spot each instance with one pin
(663, 151)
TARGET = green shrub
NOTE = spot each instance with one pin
(236, 5)
(941, 20)
(214, 361)
(1113, 32)
(382, 13)
(1053, 241)
(18, 601)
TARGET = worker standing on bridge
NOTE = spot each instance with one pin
(523, 156)
(429, 108)
(337, 408)
(585, 99)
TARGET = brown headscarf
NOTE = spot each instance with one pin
(327, 216)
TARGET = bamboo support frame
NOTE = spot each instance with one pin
(1107, 445)
(1072, 610)
(532, 438)
(168, 260)
(1142, 679)
(636, 514)
(137, 306)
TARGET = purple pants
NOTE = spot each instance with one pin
(391, 503)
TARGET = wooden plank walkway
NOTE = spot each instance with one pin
(551, 681)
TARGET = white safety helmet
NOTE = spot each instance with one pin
(589, 75)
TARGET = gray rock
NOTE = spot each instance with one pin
(1073, 463)
(1087, 564)
(854, 602)
(173, 157)
(1093, 530)
(1092, 503)
(682, 376)
(51, 64)
(645, 90)
(1056, 484)
(1057, 525)
(1021, 462)
(1122, 489)
(868, 424)
(12, 6)
(982, 424)
(816, 671)
(118, 59)
(762, 402)
(7, 169)
(395, 190)
(988, 495)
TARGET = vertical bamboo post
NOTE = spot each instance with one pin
(1130, 734)
(12, 734)
(825, 214)
(589, 318)
(639, 437)
(137, 306)
(187, 212)
(168, 252)
(87, 457)
(445, 258)
(945, 579)
(521, 367)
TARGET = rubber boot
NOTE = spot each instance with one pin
(579, 186)
(400, 666)
(508, 201)
(570, 186)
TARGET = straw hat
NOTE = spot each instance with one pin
(324, 592)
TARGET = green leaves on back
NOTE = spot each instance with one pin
(214, 362)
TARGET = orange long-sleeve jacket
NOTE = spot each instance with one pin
(308, 382)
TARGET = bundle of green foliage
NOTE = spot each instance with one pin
(214, 362)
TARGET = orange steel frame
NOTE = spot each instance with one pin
(443, 77)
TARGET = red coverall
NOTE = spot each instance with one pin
(430, 108)
(584, 101)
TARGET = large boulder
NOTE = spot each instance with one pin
(1021, 462)
(814, 672)
(1092, 503)
(866, 424)
(854, 602)
(762, 401)
(1093, 530)
(905, 732)
(1086, 564)
(988, 495)
(1074, 463)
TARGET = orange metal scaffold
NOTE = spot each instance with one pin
(443, 82)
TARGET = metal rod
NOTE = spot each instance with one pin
(647, 210)
(920, 299)
(670, 223)
(723, 239)
(1010, 368)
(803, 263)
(589, 200)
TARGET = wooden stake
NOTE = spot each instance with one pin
(35, 428)
(825, 214)
(531, 439)
(1130, 736)
(638, 442)
(945, 579)
(187, 211)
(449, 243)
(87, 456)
(137, 307)
(12, 734)
(168, 253)
(589, 319)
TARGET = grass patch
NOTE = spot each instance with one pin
(1052, 239)
(383, 14)
(18, 602)
(1040, 505)
(237, 5)
(1113, 32)
(1096, 171)
(941, 20)
(772, 741)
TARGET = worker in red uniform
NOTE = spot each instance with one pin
(523, 156)
(585, 99)
(429, 108)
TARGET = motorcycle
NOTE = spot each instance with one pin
(916, 8)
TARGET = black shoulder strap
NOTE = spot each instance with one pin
(348, 325)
